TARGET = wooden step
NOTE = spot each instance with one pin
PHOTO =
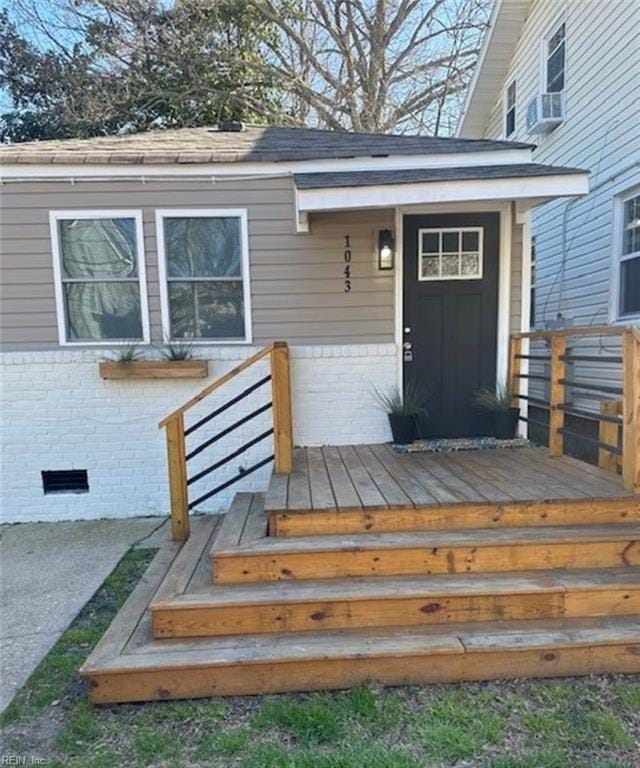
(307, 606)
(314, 522)
(189, 668)
(128, 664)
(437, 552)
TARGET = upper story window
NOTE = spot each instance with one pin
(99, 276)
(629, 265)
(555, 60)
(510, 110)
(204, 274)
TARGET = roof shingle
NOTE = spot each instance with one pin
(253, 144)
(425, 175)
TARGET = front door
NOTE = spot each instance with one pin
(450, 317)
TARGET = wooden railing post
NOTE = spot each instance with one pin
(557, 395)
(281, 396)
(608, 433)
(515, 368)
(177, 478)
(631, 409)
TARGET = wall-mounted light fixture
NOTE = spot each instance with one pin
(386, 250)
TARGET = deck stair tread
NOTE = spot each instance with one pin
(130, 664)
(455, 638)
(435, 539)
(394, 587)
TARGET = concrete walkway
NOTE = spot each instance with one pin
(48, 571)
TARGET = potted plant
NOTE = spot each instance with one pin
(499, 403)
(402, 409)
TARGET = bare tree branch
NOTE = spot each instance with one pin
(374, 65)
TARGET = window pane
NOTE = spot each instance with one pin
(511, 95)
(98, 311)
(98, 247)
(430, 242)
(470, 265)
(207, 310)
(558, 38)
(470, 241)
(631, 238)
(555, 71)
(450, 242)
(510, 125)
(203, 247)
(630, 286)
(450, 266)
(430, 266)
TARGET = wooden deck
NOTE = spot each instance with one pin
(372, 487)
(368, 565)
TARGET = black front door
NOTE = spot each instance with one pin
(450, 316)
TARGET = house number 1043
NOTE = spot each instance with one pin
(347, 264)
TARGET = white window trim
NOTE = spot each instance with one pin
(505, 107)
(61, 310)
(615, 316)
(446, 278)
(550, 31)
(245, 275)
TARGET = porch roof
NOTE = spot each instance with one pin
(428, 175)
(528, 183)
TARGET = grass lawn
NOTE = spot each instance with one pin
(573, 723)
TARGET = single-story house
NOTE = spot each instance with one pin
(378, 258)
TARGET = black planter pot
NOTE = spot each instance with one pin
(403, 428)
(505, 423)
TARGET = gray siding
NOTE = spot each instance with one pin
(601, 133)
(296, 279)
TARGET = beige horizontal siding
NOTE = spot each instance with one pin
(297, 280)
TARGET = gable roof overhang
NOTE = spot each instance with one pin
(498, 46)
(528, 184)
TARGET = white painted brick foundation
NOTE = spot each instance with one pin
(57, 413)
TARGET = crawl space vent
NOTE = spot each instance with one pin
(65, 481)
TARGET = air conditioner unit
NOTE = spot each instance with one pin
(545, 112)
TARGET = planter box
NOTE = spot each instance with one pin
(155, 369)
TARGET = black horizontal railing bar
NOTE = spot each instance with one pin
(591, 415)
(537, 376)
(535, 422)
(534, 400)
(230, 457)
(591, 358)
(545, 358)
(592, 387)
(233, 480)
(591, 440)
(228, 404)
(227, 430)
